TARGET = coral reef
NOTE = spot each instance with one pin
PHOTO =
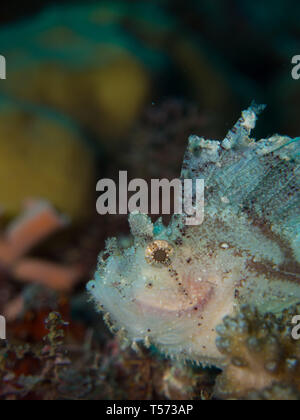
(177, 282)
(55, 366)
(263, 360)
(42, 371)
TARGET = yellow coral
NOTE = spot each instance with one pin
(104, 98)
(42, 158)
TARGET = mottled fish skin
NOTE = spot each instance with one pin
(177, 283)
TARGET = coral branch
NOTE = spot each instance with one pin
(38, 221)
(53, 275)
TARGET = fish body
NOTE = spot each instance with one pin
(177, 283)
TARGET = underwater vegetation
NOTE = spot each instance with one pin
(43, 371)
(177, 283)
(59, 368)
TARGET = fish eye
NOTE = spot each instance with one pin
(159, 253)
